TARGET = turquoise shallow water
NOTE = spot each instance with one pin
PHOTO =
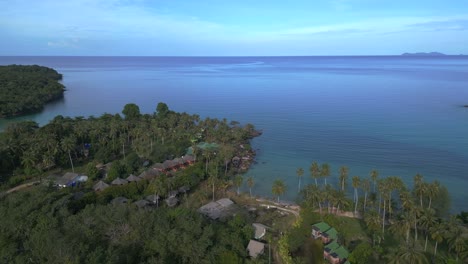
(399, 115)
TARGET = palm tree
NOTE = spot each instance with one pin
(68, 144)
(343, 176)
(250, 183)
(299, 173)
(213, 179)
(420, 187)
(238, 182)
(314, 195)
(427, 220)
(433, 191)
(372, 220)
(340, 200)
(356, 182)
(455, 236)
(29, 160)
(374, 174)
(403, 226)
(325, 172)
(366, 187)
(314, 171)
(437, 234)
(412, 254)
(278, 188)
(382, 186)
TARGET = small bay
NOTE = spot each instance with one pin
(399, 115)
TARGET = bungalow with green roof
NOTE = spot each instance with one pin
(329, 235)
(328, 249)
(319, 228)
(338, 255)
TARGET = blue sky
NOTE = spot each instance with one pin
(232, 28)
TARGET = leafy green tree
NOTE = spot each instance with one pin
(361, 254)
(116, 170)
(91, 171)
(278, 188)
(162, 109)
(131, 111)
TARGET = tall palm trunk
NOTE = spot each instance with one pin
(355, 206)
(383, 219)
(425, 244)
(435, 249)
(73, 169)
(365, 200)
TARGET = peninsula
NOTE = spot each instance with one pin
(26, 89)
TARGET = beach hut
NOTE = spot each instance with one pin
(319, 228)
(173, 193)
(329, 235)
(100, 186)
(260, 230)
(338, 255)
(119, 181)
(184, 189)
(133, 178)
(172, 201)
(188, 159)
(255, 248)
(153, 198)
(141, 203)
(150, 174)
(159, 166)
(179, 162)
(119, 201)
(169, 165)
(68, 179)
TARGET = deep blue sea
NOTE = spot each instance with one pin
(399, 115)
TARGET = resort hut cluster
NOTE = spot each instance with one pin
(332, 250)
(166, 167)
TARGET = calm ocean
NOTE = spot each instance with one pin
(399, 115)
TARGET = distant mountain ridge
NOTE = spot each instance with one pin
(424, 54)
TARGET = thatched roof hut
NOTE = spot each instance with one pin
(150, 174)
(169, 165)
(153, 198)
(189, 159)
(119, 200)
(141, 203)
(133, 178)
(184, 189)
(119, 181)
(255, 248)
(159, 167)
(100, 186)
(178, 161)
(172, 201)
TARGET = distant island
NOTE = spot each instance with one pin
(27, 88)
(424, 54)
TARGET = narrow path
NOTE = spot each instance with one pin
(22, 186)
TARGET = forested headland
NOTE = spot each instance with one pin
(26, 89)
(48, 224)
